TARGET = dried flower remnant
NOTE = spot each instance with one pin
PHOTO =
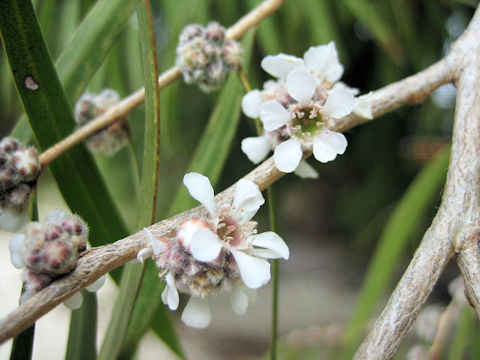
(296, 108)
(115, 136)
(19, 169)
(205, 57)
(47, 250)
(218, 254)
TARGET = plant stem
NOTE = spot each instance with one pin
(273, 227)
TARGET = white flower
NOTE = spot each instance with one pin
(295, 109)
(221, 253)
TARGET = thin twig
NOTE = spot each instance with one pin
(125, 106)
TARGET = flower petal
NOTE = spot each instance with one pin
(256, 148)
(75, 301)
(201, 190)
(251, 102)
(301, 86)
(197, 313)
(280, 65)
(246, 201)
(170, 295)
(287, 155)
(271, 241)
(16, 248)
(339, 103)
(238, 301)
(328, 144)
(97, 284)
(158, 247)
(306, 171)
(205, 245)
(336, 140)
(273, 115)
(323, 62)
(255, 272)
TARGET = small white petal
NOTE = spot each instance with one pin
(363, 106)
(339, 103)
(238, 301)
(301, 86)
(271, 241)
(158, 247)
(280, 65)
(273, 115)
(170, 295)
(97, 284)
(287, 155)
(13, 218)
(255, 272)
(336, 140)
(262, 253)
(323, 61)
(306, 171)
(251, 102)
(328, 144)
(74, 302)
(197, 313)
(205, 245)
(201, 190)
(16, 248)
(246, 201)
(256, 148)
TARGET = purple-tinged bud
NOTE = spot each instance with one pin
(232, 54)
(215, 32)
(190, 32)
(37, 281)
(56, 255)
(9, 145)
(18, 196)
(53, 233)
(73, 226)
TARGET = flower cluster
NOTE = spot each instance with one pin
(19, 169)
(114, 137)
(48, 250)
(205, 57)
(296, 108)
(219, 254)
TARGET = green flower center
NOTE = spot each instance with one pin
(307, 122)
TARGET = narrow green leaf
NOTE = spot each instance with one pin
(209, 159)
(464, 334)
(378, 26)
(405, 220)
(88, 48)
(82, 335)
(133, 273)
(51, 119)
(268, 35)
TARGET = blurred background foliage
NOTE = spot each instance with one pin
(355, 199)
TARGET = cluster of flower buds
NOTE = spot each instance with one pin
(297, 108)
(19, 169)
(48, 250)
(218, 254)
(115, 136)
(205, 57)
